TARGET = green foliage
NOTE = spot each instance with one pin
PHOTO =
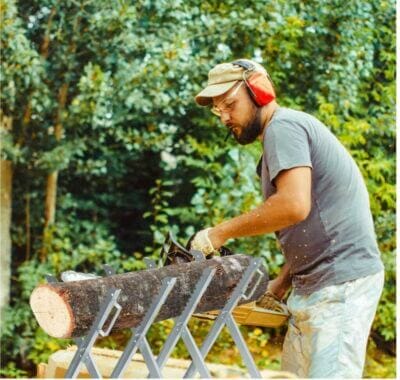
(11, 371)
(138, 158)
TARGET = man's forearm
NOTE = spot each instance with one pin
(276, 213)
(289, 205)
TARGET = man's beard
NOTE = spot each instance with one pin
(252, 130)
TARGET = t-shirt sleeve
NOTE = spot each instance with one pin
(286, 146)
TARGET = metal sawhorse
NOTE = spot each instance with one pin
(110, 309)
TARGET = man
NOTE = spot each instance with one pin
(317, 203)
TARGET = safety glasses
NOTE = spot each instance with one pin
(226, 105)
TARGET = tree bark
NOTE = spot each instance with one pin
(66, 310)
(5, 218)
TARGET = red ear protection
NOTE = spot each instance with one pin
(258, 83)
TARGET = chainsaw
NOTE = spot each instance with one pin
(173, 253)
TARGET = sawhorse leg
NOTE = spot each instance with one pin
(226, 318)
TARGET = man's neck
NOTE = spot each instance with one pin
(266, 114)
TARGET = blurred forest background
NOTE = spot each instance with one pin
(103, 149)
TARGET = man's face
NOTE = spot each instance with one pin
(238, 112)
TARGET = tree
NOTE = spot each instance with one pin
(5, 217)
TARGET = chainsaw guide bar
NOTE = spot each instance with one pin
(251, 315)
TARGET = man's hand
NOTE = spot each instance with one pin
(277, 288)
(271, 302)
(207, 241)
(201, 242)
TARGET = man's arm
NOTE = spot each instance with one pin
(289, 205)
(281, 284)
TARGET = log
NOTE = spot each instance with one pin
(66, 310)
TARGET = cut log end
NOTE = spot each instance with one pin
(52, 312)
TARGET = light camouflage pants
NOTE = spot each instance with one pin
(328, 330)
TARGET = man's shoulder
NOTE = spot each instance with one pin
(286, 119)
(292, 115)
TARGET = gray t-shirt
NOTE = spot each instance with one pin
(336, 242)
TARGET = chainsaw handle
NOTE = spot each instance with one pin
(173, 253)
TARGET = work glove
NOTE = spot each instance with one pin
(271, 302)
(201, 242)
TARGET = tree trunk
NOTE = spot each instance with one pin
(52, 178)
(51, 197)
(5, 219)
(66, 310)
(51, 184)
(28, 226)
